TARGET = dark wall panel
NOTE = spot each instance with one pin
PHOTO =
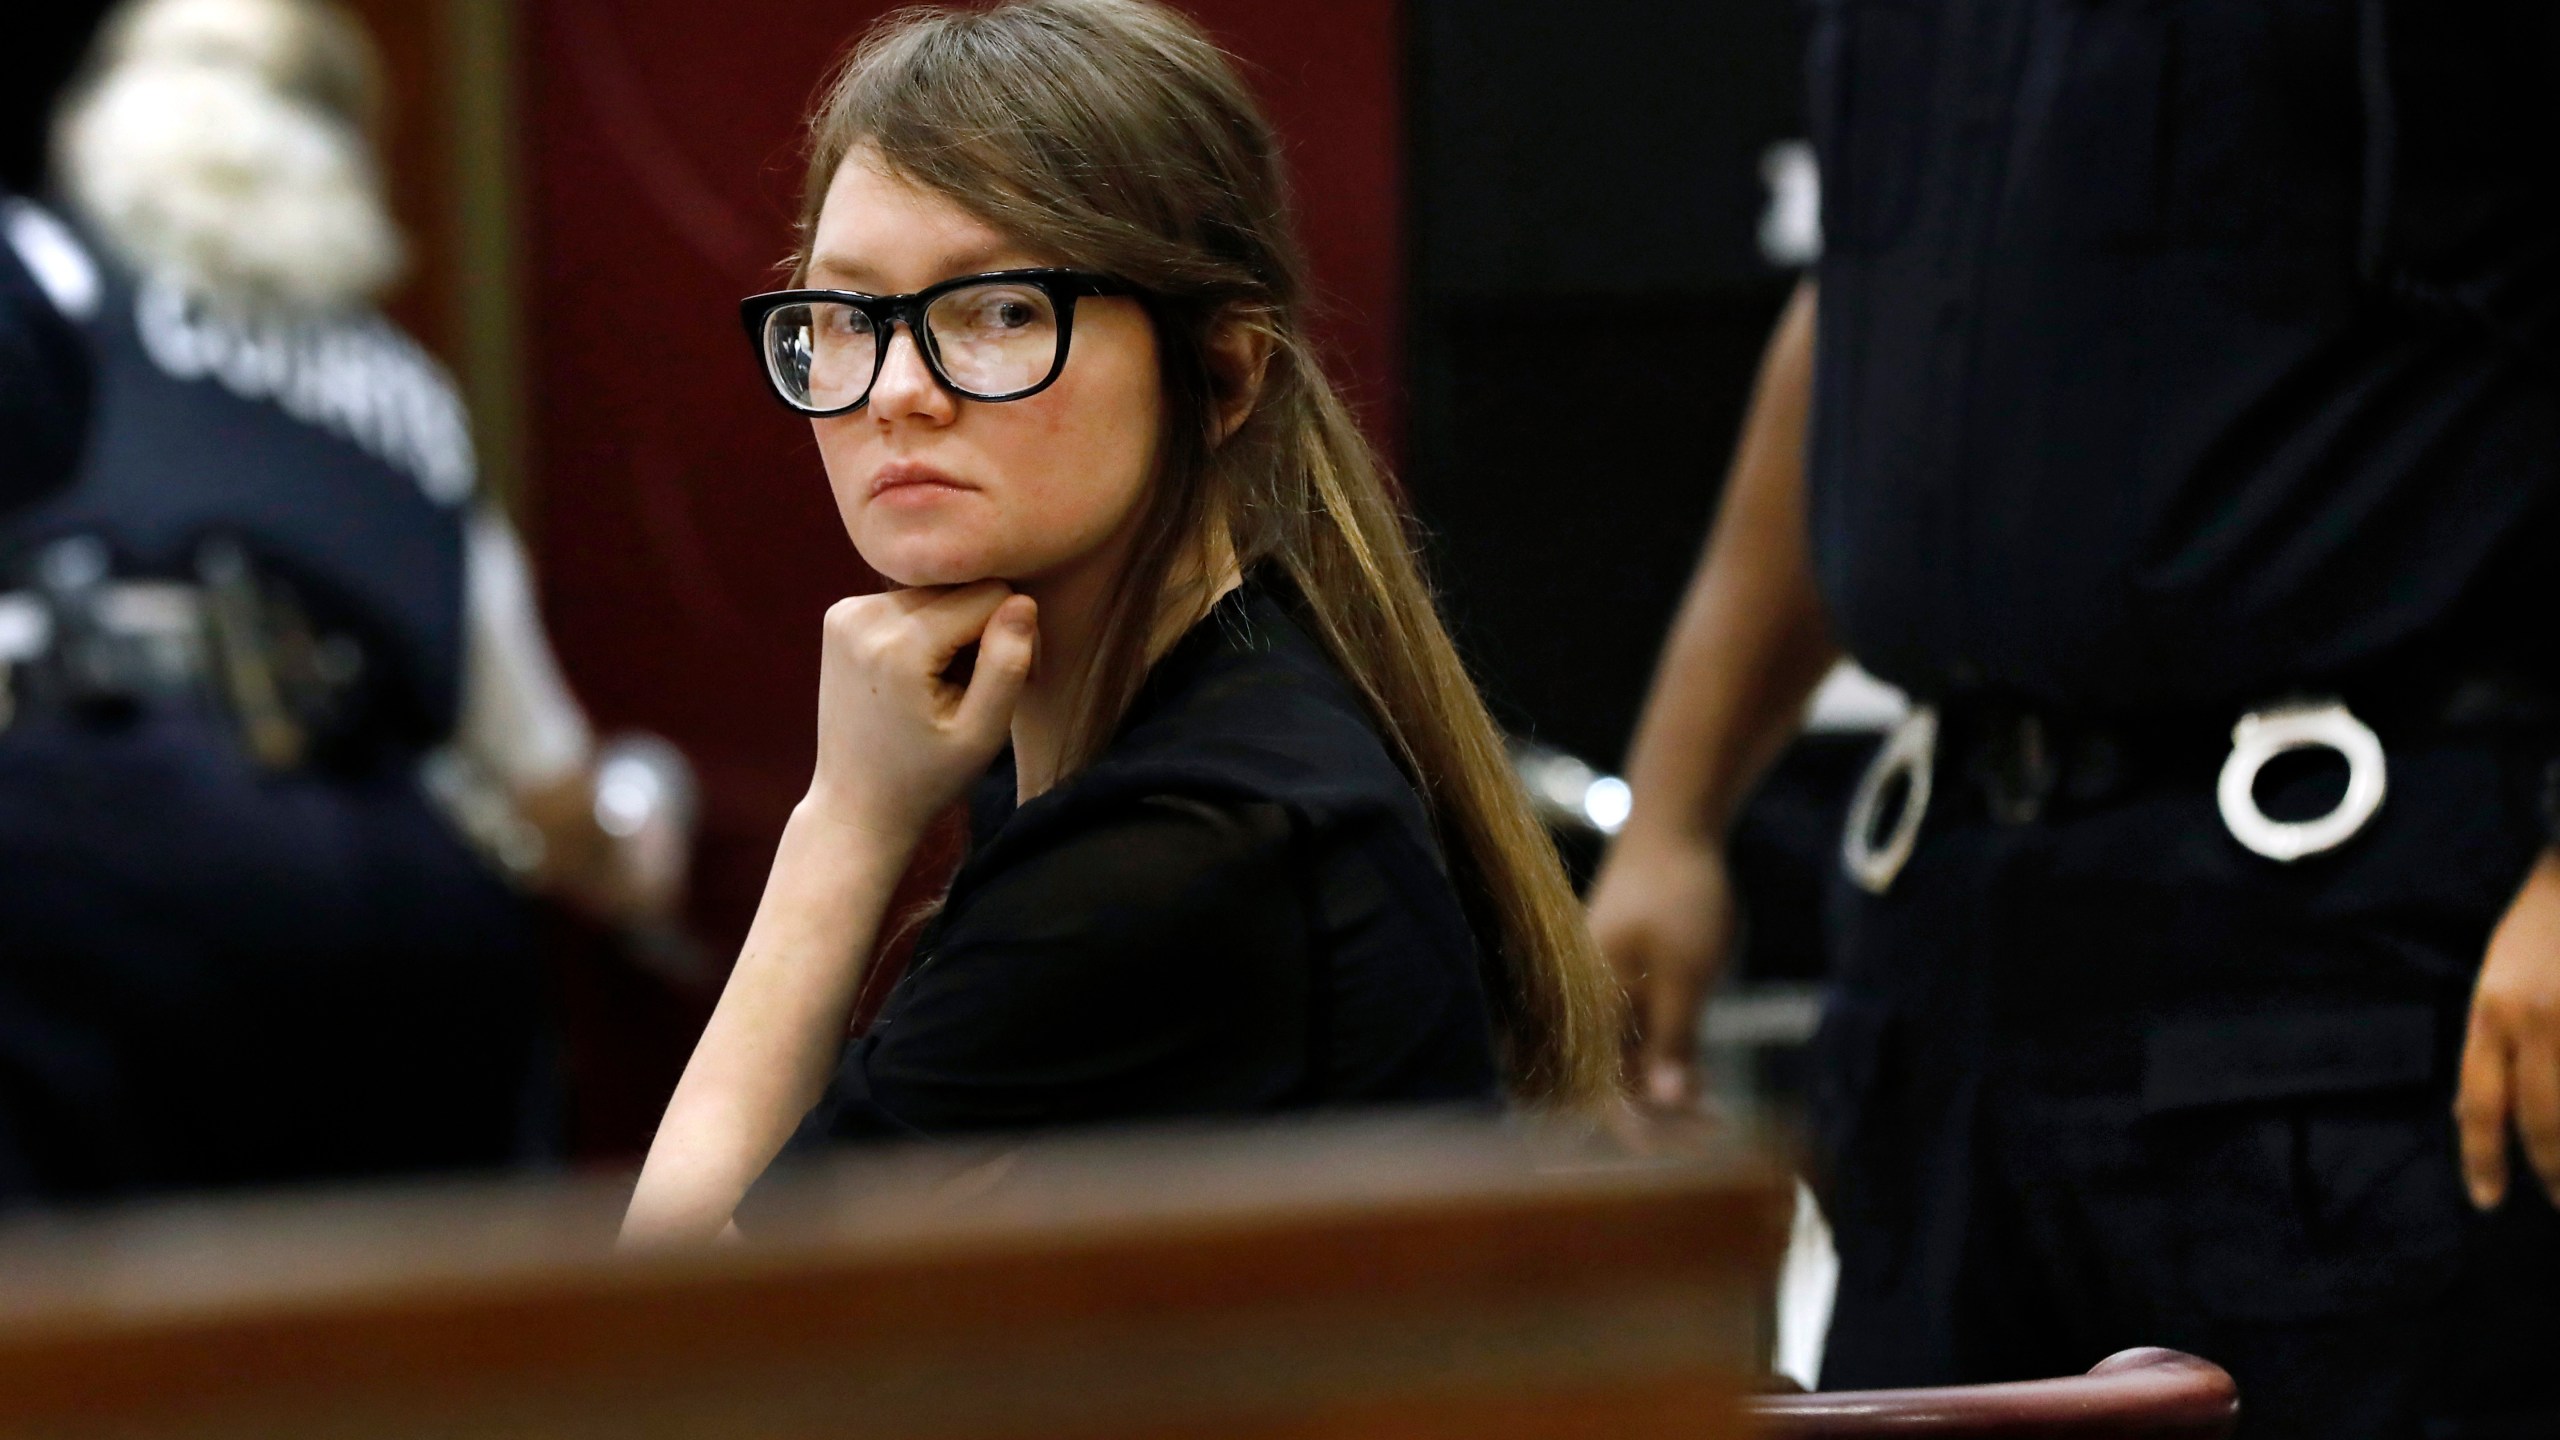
(46, 40)
(1605, 146)
(1590, 300)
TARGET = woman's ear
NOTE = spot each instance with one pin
(1239, 353)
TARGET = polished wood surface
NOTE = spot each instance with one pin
(2145, 1394)
(1397, 1276)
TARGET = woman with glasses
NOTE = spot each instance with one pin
(1249, 843)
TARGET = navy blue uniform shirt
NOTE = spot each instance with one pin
(2182, 355)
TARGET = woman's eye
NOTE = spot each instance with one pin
(1013, 314)
(1001, 312)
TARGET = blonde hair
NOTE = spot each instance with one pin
(227, 145)
(1115, 136)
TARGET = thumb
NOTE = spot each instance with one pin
(1003, 667)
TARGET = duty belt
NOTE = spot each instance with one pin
(2020, 762)
(85, 642)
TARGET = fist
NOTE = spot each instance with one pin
(906, 717)
(1662, 910)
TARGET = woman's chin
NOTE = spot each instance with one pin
(917, 567)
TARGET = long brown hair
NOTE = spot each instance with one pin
(1115, 136)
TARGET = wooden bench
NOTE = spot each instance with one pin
(1404, 1276)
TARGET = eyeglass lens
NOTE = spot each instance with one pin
(991, 341)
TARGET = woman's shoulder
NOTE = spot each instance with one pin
(1164, 872)
(1250, 708)
(1246, 737)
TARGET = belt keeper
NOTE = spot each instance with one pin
(248, 676)
(2021, 776)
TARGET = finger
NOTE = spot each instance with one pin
(1625, 941)
(954, 619)
(1671, 998)
(1626, 974)
(2535, 1076)
(2480, 1111)
(1622, 946)
(1623, 951)
(1010, 641)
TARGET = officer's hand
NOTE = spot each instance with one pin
(1662, 910)
(2511, 1058)
(904, 724)
(618, 833)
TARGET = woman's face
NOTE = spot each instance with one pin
(938, 490)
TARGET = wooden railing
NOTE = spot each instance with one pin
(1406, 1276)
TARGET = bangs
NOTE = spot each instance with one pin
(1112, 136)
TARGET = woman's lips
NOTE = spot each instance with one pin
(909, 475)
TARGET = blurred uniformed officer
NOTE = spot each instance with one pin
(272, 666)
(2177, 424)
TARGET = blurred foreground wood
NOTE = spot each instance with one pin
(1422, 1277)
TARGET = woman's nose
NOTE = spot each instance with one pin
(905, 385)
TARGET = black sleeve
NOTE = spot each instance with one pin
(44, 388)
(1157, 963)
(1406, 1019)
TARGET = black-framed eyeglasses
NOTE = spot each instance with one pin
(997, 336)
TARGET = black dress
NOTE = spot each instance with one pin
(1238, 908)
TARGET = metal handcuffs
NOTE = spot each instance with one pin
(1909, 755)
(2261, 736)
